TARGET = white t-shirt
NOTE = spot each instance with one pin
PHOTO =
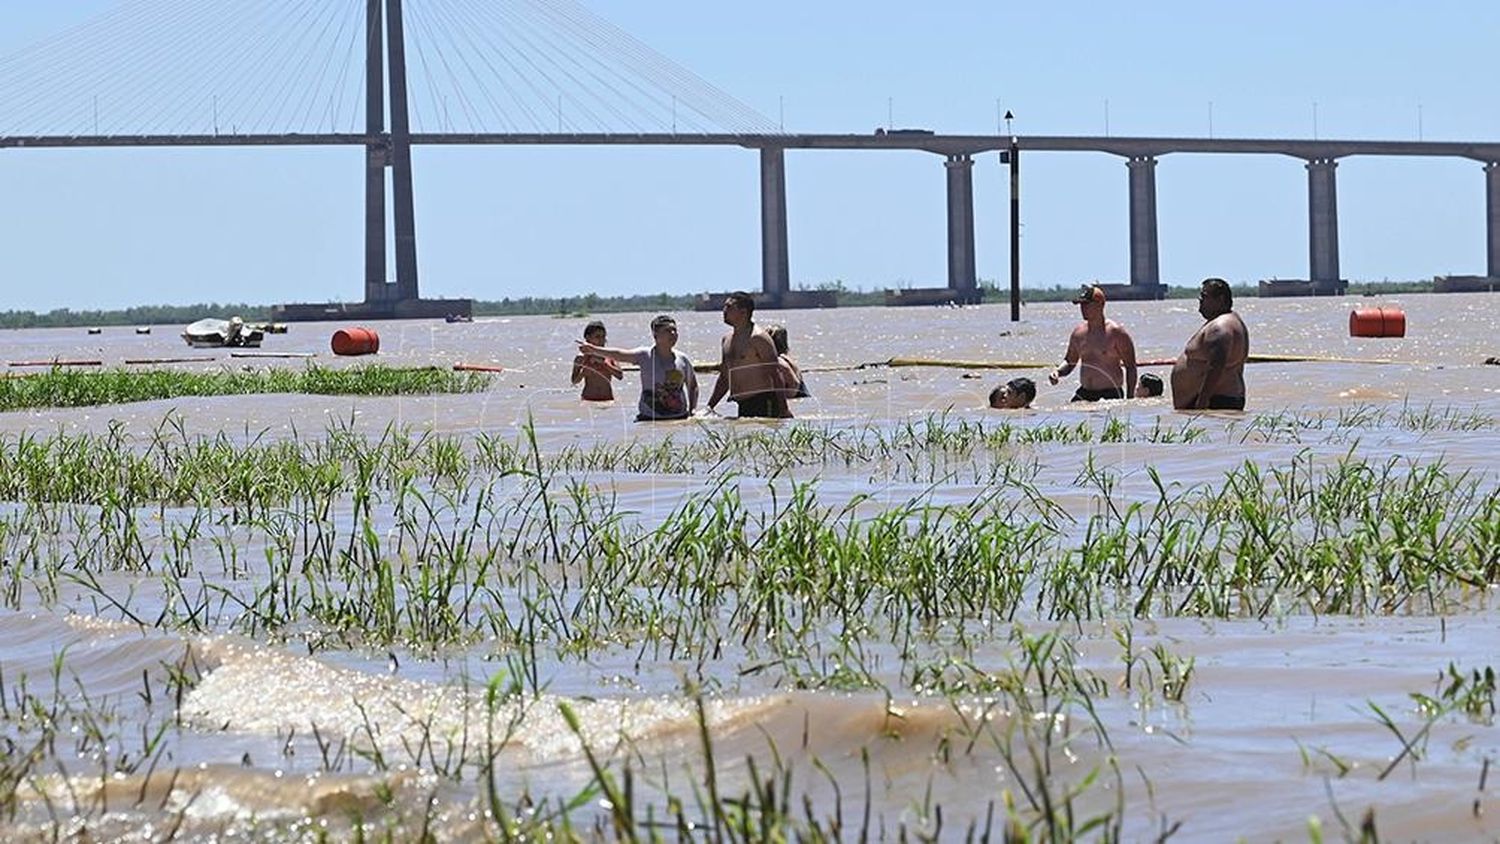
(667, 385)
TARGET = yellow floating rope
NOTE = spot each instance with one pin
(966, 364)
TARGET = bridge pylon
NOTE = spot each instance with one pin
(387, 153)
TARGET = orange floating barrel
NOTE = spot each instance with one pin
(356, 341)
(1377, 322)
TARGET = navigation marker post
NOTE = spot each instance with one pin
(1012, 157)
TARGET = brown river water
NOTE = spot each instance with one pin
(1281, 722)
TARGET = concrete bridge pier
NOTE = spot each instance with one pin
(1145, 254)
(1323, 227)
(401, 186)
(1492, 218)
(376, 154)
(385, 152)
(963, 279)
(775, 273)
(376, 288)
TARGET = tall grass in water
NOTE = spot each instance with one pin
(1353, 537)
(416, 541)
(430, 541)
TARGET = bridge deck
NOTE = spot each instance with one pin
(937, 144)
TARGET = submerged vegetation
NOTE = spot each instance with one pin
(63, 387)
(403, 540)
(888, 561)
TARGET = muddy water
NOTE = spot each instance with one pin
(1281, 721)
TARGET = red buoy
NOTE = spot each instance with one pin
(356, 341)
(1377, 322)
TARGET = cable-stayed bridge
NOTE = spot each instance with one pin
(387, 75)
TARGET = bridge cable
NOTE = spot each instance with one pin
(550, 35)
(544, 57)
(678, 78)
(516, 95)
(440, 99)
(474, 111)
(662, 111)
(44, 83)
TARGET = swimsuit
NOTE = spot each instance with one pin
(758, 406)
(1087, 394)
(1226, 402)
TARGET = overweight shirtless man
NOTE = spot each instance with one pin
(750, 369)
(1104, 349)
(1210, 372)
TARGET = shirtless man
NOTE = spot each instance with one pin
(749, 369)
(1104, 348)
(1210, 372)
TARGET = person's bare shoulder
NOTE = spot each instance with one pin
(1230, 322)
(762, 344)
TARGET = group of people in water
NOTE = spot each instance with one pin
(758, 375)
(1208, 375)
(755, 371)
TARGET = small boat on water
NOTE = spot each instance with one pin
(458, 318)
(218, 333)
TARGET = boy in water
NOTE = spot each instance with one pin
(595, 370)
(1150, 386)
(1015, 394)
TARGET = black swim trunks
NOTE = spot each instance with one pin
(1086, 394)
(1226, 402)
(758, 406)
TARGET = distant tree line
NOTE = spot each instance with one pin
(594, 303)
(140, 315)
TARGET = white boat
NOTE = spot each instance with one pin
(217, 333)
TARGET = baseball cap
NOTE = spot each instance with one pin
(1089, 293)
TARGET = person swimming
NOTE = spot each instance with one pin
(1015, 394)
(1150, 386)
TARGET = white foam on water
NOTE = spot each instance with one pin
(262, 690)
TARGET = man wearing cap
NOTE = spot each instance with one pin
(1104, 350)
(1210, 372)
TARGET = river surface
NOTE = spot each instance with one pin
(1290, 718)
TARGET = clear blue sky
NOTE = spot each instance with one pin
(85, 229)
